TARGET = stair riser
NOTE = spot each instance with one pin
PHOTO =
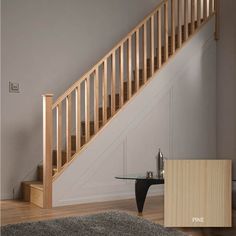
(32, 194)
(26, 192)
(36, 197)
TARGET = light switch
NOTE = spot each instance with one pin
(14, 87)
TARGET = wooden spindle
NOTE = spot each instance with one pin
(68, 128)
(152, 45)
(159, 61)
(87, 109)
(59, 135)
(96, 100)
(47, 150)
(137, 60)
(77, 118)
(185, 20)
(144, 53)
(179, 23)
(121, 75)
(113, 83)
(129, 69)
(204, 10)
(173, 26)
(199, 12)
(192, 16)
(166, 34)
(104, 92)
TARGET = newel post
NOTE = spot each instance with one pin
(47, 150)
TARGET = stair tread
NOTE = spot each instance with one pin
(34, 184)
(37, 186)
(54, 167)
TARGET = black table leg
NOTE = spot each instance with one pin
(141, 189)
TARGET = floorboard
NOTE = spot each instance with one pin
(13, 212)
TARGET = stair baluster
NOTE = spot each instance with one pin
(166, 32)
(59, 136)
(78, 118)
(173, 26)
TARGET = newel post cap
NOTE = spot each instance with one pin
(48, 95)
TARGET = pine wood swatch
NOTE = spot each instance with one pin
(198, 193)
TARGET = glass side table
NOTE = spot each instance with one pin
(142, 185)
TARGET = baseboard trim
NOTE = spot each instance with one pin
(106, 197)
(6, 196)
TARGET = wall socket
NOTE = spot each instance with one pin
(14, 87)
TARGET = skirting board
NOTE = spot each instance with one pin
(198, 193)
(121, 194)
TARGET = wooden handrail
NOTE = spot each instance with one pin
(116, 78)
(72, 88)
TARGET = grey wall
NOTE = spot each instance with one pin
(47, 45)
(226, 82)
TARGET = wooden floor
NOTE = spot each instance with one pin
(13, 212)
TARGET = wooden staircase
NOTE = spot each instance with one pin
(130, 82)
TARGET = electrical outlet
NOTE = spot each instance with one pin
(14, 87)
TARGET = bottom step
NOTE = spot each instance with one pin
(33, 192)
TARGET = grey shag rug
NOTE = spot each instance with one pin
(108, 223)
